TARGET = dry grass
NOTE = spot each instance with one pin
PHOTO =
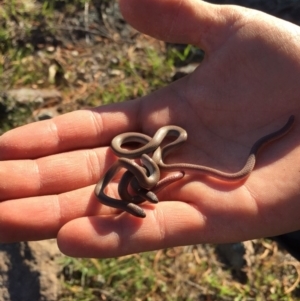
(185, 273)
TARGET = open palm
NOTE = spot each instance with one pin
(246, 87)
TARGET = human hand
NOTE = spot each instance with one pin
(246, 87)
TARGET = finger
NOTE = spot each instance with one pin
(195, 22)
(53, 174)
(92, 128)
(76, 130)
(206, 213)
(167, 224)
(190, 21)
(103, 237)
(39, 218)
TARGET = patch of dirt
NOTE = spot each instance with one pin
(29, 271)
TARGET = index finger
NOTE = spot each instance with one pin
(75, 130)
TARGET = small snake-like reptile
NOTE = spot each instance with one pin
(145, 180)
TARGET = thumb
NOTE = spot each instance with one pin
(181, 21)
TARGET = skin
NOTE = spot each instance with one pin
(247, 86)
(147, 175)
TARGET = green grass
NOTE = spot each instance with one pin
(93, 75)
